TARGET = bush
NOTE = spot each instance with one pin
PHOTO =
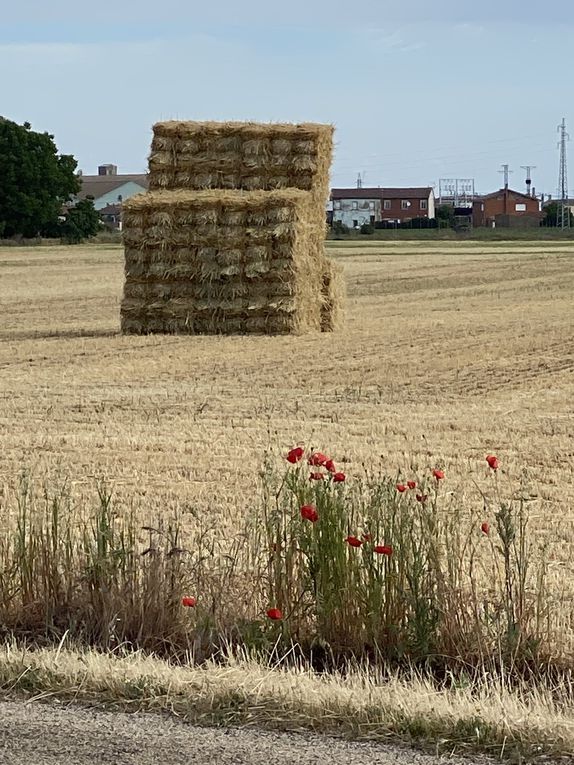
(340, 228)
(367, 228)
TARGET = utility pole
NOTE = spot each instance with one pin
(563, 219)
(506, 173)
(528, 169)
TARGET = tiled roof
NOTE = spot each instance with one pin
(382, 193)
(98, 185)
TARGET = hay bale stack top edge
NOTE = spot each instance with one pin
(231, 199)
(182, 128)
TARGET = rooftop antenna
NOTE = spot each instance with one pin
(359, 181)
(528, 169)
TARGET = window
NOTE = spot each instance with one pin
(355, 224)
(424, 204)
(337, 204)
(405, 204)
(355, 206)
(520, 207)
(387, 204)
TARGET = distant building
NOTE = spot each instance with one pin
(110, 188)
(506, 207)
(111, 216)
(355, 207)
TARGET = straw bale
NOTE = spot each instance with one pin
(248, 262)
(241, 155)
(333, 297)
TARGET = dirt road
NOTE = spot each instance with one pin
(48, 734)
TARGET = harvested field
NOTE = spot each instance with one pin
(450, 352)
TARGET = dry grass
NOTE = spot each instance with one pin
(450, 352)
(519, 725)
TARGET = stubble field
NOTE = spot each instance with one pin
(451, 351)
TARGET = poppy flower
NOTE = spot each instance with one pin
(438, 474)
(330, 466)
(368, 537)
(295, 455)
(188, 602)
(422, 498)
(493, 462)
(412, 484)
(383, 550)
(354, 541)
(318, 459)
(339, 477)
(485, 528)
(309, 513)
(275, 614)
(316, 476)
(401, 487)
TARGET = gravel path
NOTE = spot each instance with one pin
(49, 734)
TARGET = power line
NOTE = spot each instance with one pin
(563, 220)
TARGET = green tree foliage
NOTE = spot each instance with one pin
(34, 180)
(445, 216)
(81, 222)
(551, 215)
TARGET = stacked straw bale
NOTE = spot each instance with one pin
(230, 237)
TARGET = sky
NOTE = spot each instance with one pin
(417, 91)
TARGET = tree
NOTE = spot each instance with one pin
(551, 215)
(34, 180)
(445, 216)
(81, 222)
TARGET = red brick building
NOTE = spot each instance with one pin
(506, 208)
(355, 207)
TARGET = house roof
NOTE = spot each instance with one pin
(110, 210)
(98, 185)
(502, 191)
(382, 193)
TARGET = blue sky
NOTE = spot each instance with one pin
(417, 91)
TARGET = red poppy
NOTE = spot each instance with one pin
(422, 498)
(318, 459)
(438, 474)
(309, 513)
(485, 528)
(295, 455)
(412, 484)
(275, 614)
(401, 487)
(368, 537)
(354, 541)
(383, 550)
(493, 462)
(316, 476)
(339, 477)
(330, 466)
(188, 602)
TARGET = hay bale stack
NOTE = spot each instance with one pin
(242, 155)
(230, 237)
(222, 262)
(333, 297)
